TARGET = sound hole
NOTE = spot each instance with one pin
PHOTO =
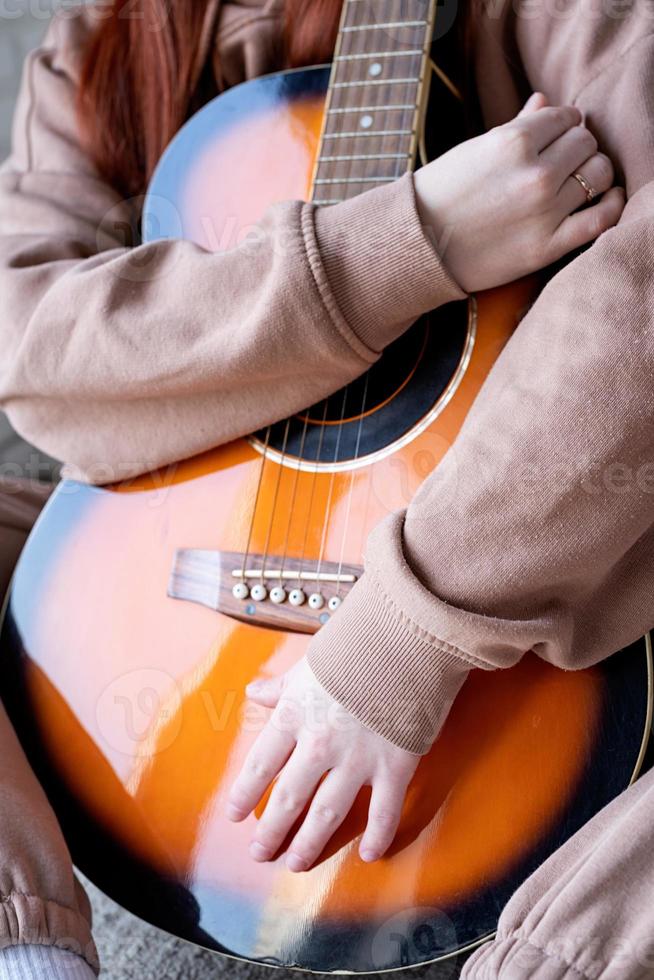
(377, 386)
(383, 405)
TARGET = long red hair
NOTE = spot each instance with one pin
(141, 77)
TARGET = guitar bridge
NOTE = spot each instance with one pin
(293, 594)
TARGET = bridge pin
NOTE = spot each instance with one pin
(240, 591)
(334, 602)
(259, 592)
(296, 597)
(316, 601)
(278, 594)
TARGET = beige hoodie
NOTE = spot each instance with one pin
(536, 529)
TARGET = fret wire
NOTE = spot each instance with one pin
(373, 108)
(366, 156)
(385, 26)
(403, 135)
(353, 180)
(351, 51)
(348, 2)
(377, 81)
(353, 133)
(379, 54)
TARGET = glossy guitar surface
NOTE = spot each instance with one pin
(125, 652)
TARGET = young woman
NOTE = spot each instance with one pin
(535, 532)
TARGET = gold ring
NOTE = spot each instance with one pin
(588, 187)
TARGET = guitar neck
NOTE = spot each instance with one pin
(375, 98)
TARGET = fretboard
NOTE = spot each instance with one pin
(375, 96)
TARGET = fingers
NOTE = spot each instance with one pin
(263, 762)
(597, 170)
(584, 226)
(266, 692)
(383, 818)
(289, 796)
(331, 804)
(546, 125)
(535, 102)
(569, 152)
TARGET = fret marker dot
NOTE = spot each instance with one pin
(365, 122)
(375, 68)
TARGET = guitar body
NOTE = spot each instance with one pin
(125, 653)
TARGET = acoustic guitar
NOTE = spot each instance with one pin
(139, 612)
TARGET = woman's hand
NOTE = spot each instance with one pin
(309, 734)
(505, 204)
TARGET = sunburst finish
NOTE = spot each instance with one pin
(131, 703)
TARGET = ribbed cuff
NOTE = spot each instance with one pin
(392, 676)
(43, 963)
(381, 267)
(32, 920)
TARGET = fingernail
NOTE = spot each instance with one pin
(295, 863)
(369, 855)
(233, 813)
(258, 851)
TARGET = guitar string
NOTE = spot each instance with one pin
(345, 68)
(313, 479)
(296, 479)
(332, 476)
(356, 456)
(256, 501)
(360, 426)
(291, 508)
(313, 489)
(294, 492)
(257, 495)
(350, 493)
(280, 471)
